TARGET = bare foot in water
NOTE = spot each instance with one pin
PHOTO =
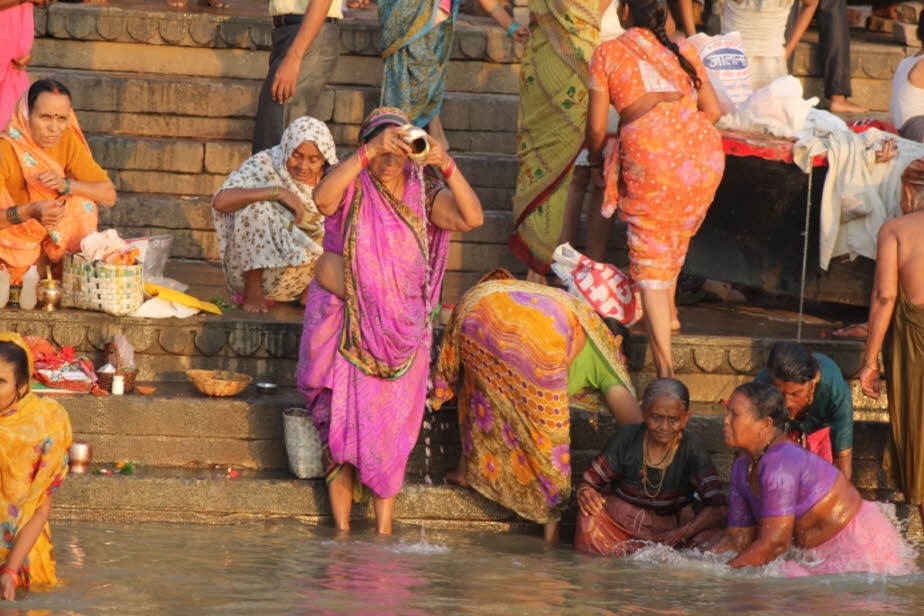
(840, 104)
(857, 330)
(456, 478)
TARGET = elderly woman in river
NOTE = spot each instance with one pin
(45, 157)
(663, 486)
(269, 230)
(365, 350)
(783, 495)
(524, 350)
(35, 434)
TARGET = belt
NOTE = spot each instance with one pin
(294, 19)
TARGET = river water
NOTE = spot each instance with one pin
(285, 567)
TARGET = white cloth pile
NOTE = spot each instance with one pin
(860, 194)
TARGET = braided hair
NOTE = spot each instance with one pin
(652, 14)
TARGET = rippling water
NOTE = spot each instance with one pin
(289, 568)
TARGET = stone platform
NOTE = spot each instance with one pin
(167, 100)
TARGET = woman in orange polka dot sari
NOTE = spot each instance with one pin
(523, 351)
(669, 161)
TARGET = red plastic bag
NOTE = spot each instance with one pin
(605, 287)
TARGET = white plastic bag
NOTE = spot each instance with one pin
(727, 66)
(605, 287)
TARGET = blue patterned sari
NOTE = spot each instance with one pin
(416, 51)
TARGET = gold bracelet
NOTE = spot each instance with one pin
(275, 194)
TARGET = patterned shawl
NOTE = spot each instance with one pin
(416, 52)
(80, 216)
(35, 435)
(268, 168)
(551, 122)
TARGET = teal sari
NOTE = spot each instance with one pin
(416, 51)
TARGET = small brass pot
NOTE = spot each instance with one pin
(79, 456)
(49, 294)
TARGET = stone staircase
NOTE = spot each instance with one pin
(167, 102)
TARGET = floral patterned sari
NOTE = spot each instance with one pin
(516, 341)
(34, 438)
(551, 119)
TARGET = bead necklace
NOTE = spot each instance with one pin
(662, 465)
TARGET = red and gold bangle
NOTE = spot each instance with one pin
(449, 170)
(12, 572)
(363, 156)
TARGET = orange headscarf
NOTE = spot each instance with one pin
(18, 243)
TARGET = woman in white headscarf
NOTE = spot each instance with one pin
(269, 230)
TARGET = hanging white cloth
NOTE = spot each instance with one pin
(859, 194)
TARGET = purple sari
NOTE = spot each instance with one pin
(364, 362)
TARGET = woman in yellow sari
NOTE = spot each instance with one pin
(44, 156)
(35, 434)
(550, 126)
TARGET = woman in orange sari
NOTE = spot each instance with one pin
(44, 156)
(35, 434)
(669, 160)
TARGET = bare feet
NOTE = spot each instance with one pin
(456, 478)
(840, 104)
(857, 330)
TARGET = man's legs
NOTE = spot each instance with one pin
(316, 69)
(834, 42)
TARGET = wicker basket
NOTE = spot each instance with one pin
(115, 289)
(105, 379)
(219, 382)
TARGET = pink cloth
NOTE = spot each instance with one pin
(870, 543)
(16, 41)
(370, 421)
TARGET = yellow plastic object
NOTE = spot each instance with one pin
(171, 295)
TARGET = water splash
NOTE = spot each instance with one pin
(421, 546)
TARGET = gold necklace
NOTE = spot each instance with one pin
(665, 461)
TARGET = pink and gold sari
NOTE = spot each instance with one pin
(364, 361)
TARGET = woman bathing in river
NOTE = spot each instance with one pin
(35, 434)
(654, 468)
(783, 495)
(365, 351)
(523, 349)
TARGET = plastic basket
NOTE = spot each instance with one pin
(114, 289)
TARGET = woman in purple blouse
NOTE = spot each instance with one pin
(783, 495)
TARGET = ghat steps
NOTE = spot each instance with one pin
(167, 100)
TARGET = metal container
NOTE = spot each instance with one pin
(79, 456)
(267, 388)
(49, 294)
(420, 144)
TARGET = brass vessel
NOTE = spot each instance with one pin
(49, 293)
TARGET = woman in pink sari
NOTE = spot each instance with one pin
(15, 52)
(365, 350)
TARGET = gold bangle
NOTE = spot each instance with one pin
(275, 194)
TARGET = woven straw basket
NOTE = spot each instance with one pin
(219, 382)
(115, 289)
